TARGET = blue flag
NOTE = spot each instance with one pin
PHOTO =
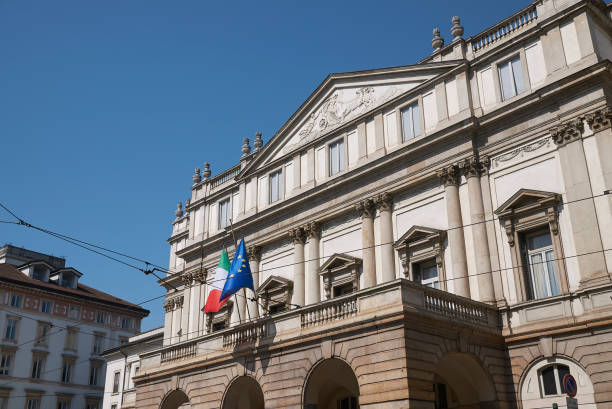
(239, 275)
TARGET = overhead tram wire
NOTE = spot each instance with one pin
(607, 192)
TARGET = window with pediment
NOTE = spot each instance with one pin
(220, 320)
(340, 275)
(421, 250)
(275, 294)
(530, 219)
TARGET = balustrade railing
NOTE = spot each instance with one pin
(180, 351)
(517, 21)
(245, 333)
(225, 176)
(333, 310)
(451, 306)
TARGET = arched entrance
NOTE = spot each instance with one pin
(460, 382)
(332, 384)
(243, 393)
(176, 399)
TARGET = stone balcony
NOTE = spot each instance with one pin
(399, 299)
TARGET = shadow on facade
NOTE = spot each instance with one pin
(243, 393)
(332, 384)
(177, 399)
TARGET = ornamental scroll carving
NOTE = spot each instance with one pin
(567, 132)
(173, 303)
(474, 166)
(366, 208)
(193, 277)
(600, 119)
(449, 175)
(297, 235)
(254, 253)
(313, 230)
(384, 202)
(532, 147)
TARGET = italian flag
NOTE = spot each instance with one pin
(213, 303)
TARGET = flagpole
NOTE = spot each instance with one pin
(246, 307)
(235, 298)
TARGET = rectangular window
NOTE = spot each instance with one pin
(71, 339)
(16, 300)
(511, 78)
(336, 157)
(113, 406)
(343, 289)
(63, 403)
(5, 363)
(75, 312)
(541, 275)
(426, 273)
(37, 366)
(66, 371)
(123, 340)
(224, 213)
(42, 333)
(91, 405)
(94, 372)
(98, 344)
(411, 122)
(45, 307)
(276, 186)
(116, 382)
(218, 326)
(10, 333)
(33, 404)
(100, 317)
(126, 323)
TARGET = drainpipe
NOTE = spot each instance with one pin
(124, 374)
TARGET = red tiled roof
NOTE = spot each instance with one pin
(10, 274)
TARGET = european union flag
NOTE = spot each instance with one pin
(239, 273)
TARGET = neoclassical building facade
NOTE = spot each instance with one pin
(434, 235)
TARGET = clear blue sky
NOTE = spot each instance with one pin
(106, 107)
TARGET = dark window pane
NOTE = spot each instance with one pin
(440, 390)
(563, 370)
(548, 379)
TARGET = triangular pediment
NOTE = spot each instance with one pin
(416, 234)
(339, 260)
(274, 283)
(527, 197)
(340, 99)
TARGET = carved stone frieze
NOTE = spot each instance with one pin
(567, 132)
(384, 202)
(366, 208)
(449, 175)
(600, 119)
(297, 235)
(531, 147)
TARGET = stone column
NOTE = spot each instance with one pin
(299, 238)
(472, 169)
(450, 177)
(580, 204)
(177, 329)
(168, 308)
(366, 210)
(254, 253)
(313, 287)
(384, 204)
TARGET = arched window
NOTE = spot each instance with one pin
(551, 379)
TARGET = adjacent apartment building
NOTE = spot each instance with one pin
(122, 363)
(54, 330)
(434, 235)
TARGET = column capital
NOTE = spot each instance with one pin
(187, 279)
(200, 275)
(568, 131)
(254, 253)
(297, 235)
(169, 305)
(600, 119)
(312, 229)
(178, 301)
(384, 201)
(474, 166)
(366, 208)
(449, 175)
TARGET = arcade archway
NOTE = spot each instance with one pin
(177, 399)
(243, 393)
(460, 382)
(332, 384)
